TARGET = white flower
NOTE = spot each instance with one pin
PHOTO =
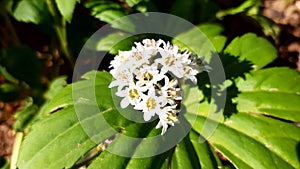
(122, 58)
(171, 91)
(149, 46)
(148, 75)
(132, 94)
(151, 104)
(191, 73)
(171, 62)
(197, 65)
(163, 122)
(147, 78)
(139, 58)
(123, 77)
(167, 117)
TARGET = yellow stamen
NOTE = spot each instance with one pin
(172, 117)
(137, 55)
(148, 76)
(170, 60)
(133, 93)
(151, 104)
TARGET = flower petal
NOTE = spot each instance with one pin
(124, 103)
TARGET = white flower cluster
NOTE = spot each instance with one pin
(146, 77)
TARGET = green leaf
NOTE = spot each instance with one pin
(109, 15)
(64, 97)
(244, 7)
(66, 8)
(113, 17)
(59, 145)
(29, 11)
(56, 85)
(185, 156)
(100, 6)
(111, 12)
(269, 27)
(8, 92)
(7, 75)
(206, 156)
(25, 115)
(65, 139)
(246, 139)
(113, 44)
(131, 3)
(149, 162)
(203, 39)
(252, 48)
(124, 144)
(269, 92)
(108, 159)
(84, 114)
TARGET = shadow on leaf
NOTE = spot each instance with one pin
(234, 68)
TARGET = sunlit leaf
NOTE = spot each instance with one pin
(205, 39)
(255, 49)
(29, 11)
(185, 156)
(246, 142)
(246, 6)
(82, 116)
(206, 155)
(66, 8)
(113, 44)
(63, 141)
(269, 92)
(132, 2)
(25, 115)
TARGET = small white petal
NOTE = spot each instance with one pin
(147, 116)
(124, 103)
(159, 125)
(113, 84)
(164, 129)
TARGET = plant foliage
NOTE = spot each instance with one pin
(266, 106)
(257, 128)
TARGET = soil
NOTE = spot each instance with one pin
(287, 15)
(7, 135)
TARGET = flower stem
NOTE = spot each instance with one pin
(60, 29)
(16, 150)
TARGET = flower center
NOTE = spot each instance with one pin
(172, 92)
(133, 94)
(122, 58)
(172, 117)
(151, 104)
(138, 55)
(148, 76)
(169, 60)
(123, 76)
